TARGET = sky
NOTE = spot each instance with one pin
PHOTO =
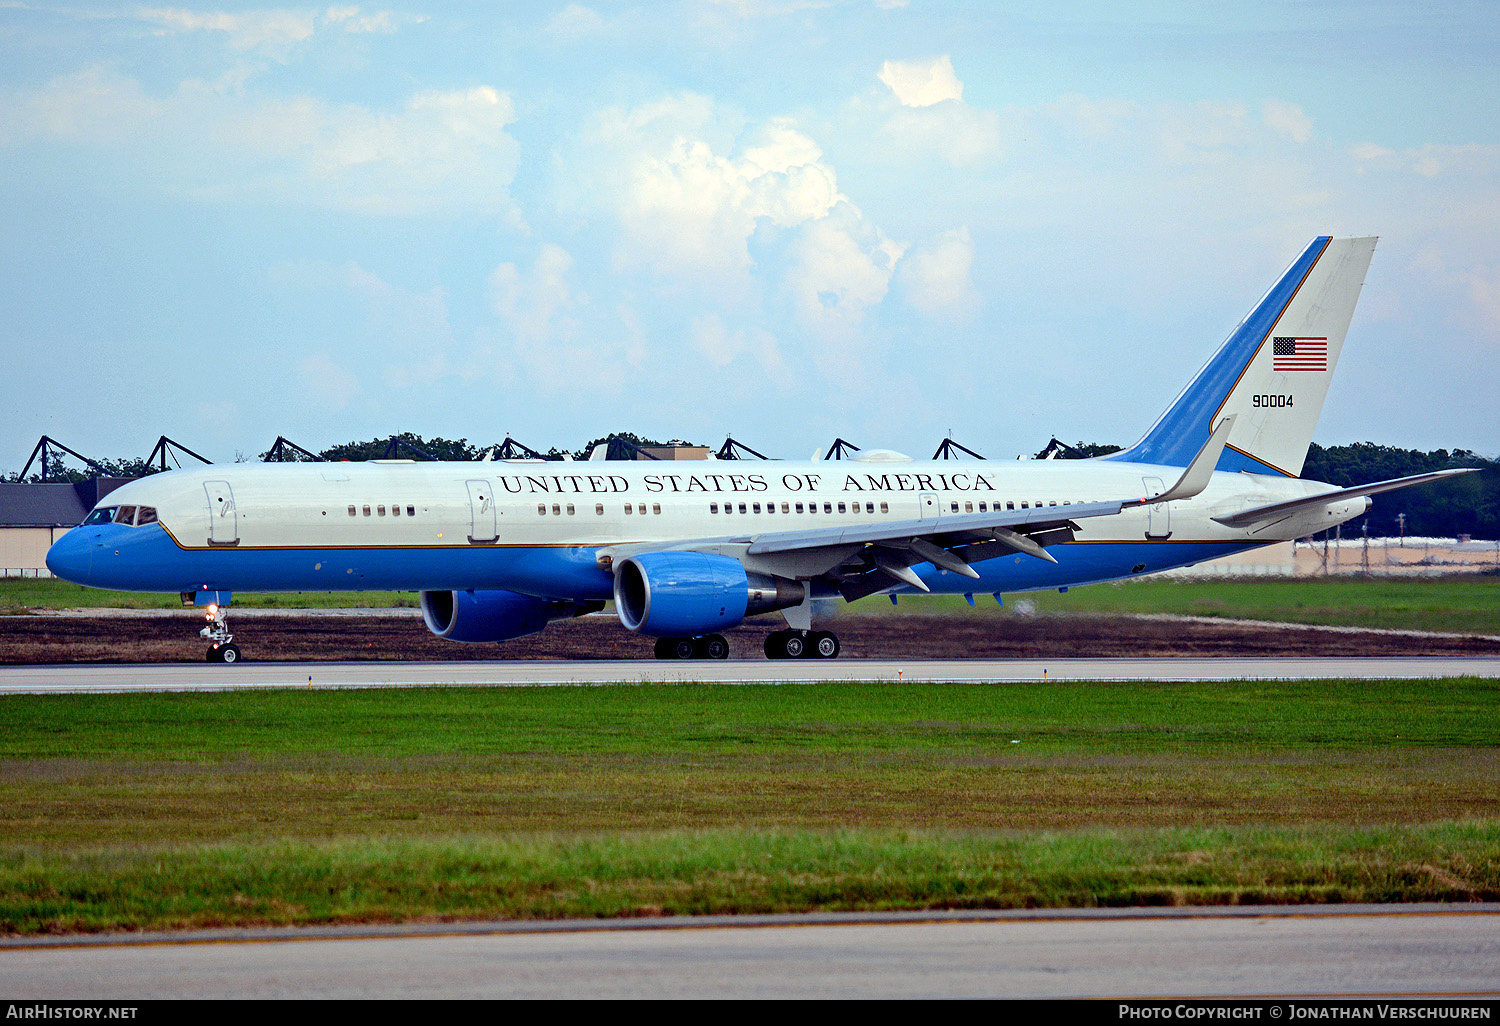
(784, 220)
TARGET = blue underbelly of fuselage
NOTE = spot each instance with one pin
(147, 559)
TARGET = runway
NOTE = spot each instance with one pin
(1448, 951)
(104, 678)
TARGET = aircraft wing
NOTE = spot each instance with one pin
(861, 559)
(1246, 517)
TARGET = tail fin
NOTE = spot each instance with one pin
(1272, 372)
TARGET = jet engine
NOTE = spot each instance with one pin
(494, 615)
(687, 594)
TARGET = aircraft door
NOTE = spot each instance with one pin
(1158, 514)
(223, 518)
(929, 507)
(482, 512)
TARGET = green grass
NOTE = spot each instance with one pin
(135, 811)
(742, 872)
(22, 595)
(1465, 604)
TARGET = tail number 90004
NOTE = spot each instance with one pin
(1270, 401)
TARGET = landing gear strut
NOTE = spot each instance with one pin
(220, 649)
(709, 646)
(795, 644)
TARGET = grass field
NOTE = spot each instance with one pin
(305, 806)
(1468, 604)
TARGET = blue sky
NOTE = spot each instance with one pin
(786, 220)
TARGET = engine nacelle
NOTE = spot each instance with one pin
(493, 615)
(685, 594)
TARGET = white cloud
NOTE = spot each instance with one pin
(721, 346)
(557, 333)
(406, 337)
(930, 117)
(575, 21)
(837, 276)
(1369, 151)
(1287, 119)
(328, 382)
(440, 151)
(935, 275)
(688, 205)
(273, 31)
(922, 83)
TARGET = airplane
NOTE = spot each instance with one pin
(500, 548)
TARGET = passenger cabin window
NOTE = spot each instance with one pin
(380, 510)
(756, 507)
(885, 507)
(570, 509)
(411, 511)
(742, 507)
(556, 509)
(799, 507)
(827, 507)
(599, 509)
(395, 510)
(656, 508)
(366, 510)
(713, 507)
(541, 509)
(629, 509)
(841, 507)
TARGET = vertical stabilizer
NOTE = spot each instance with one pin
(1272, 373)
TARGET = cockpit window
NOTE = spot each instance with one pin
(125, 516)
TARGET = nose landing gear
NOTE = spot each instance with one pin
(220, 638)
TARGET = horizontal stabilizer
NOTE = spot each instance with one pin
(1245, 518)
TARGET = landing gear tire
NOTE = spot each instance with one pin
(802, 645)
(223, 654)
(712, 646)
(825, 645)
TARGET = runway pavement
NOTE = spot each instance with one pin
(1326, 951)
(98, 678)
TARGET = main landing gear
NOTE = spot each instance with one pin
(796, 644)
(709, 646)
(220, 649)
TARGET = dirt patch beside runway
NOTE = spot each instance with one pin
(313, 636)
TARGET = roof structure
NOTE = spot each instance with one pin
(53, 504)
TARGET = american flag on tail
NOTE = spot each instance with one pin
(1299, 353)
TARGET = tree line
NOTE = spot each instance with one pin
(1466, 505)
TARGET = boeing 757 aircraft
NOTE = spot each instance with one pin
(500, 548)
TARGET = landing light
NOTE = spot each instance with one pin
(213, 610)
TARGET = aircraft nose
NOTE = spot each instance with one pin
(71, 557)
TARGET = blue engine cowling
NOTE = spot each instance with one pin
(493, 615)
(685, 594)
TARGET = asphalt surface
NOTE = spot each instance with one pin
(1355, 951)
(245, 675)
